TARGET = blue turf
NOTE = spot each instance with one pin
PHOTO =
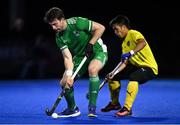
(24, 102)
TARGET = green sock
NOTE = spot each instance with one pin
(93, 90)
(69, 96)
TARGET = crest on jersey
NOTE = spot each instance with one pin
(128, 43)
(76, 33)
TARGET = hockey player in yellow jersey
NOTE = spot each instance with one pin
(138, 66)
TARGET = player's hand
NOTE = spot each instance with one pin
(109, 76)
(63, 82)
(67, 81)
(89, 50)
(126, 56)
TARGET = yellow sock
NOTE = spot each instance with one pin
(114, 87)
(132, 90)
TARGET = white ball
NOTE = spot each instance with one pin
(54, 115)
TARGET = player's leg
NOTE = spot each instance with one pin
(132, 90)
(114, 87)
(72, 110)
(94, 67)
(140, 76)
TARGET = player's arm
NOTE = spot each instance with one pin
(97, 31)
(68, 63)
(95, 28)
(140, 44)
(118, 69)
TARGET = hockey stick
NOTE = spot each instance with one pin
(115, 71)
(51, 111)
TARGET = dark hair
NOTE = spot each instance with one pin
(120, 20)
(53, 13)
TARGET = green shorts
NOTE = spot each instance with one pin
(102, 56)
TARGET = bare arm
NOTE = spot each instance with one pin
(118, 69)
(120, 66)
(140, 45)
(68, 63)
(66, 80)
(97, 31)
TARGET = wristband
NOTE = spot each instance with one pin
(132, 52)
(69, 72)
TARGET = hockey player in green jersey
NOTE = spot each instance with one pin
(78, 37)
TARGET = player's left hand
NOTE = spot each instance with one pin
(69, 81)
(89, 50)
(127, 55)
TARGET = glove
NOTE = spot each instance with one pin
(127, 55)
(89, 50)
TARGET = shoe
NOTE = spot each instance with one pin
(92, 111)
(69, 113)
(111, 106)
(123, 112)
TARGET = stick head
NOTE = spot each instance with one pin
(48, 112)
(87, 95)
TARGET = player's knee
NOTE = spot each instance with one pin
(113, 85)
(92, 71)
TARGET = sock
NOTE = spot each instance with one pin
(69, 96)
(114, 87)
(132, 90)
(93, 90)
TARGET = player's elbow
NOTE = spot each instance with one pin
(103, 28)
(144, 43)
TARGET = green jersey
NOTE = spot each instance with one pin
(76, 37)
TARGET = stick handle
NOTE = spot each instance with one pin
(115, 72)
(102, 84)
(50, 112)
(117, 67)
(79, 67)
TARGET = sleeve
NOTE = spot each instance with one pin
(84, 24)
(61, 43)
(137, 35)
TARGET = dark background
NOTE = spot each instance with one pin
(22, 53)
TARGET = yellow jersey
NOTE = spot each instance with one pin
(143, 58)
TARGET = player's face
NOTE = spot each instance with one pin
(119, 30)
(57, 25)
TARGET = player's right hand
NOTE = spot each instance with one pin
(109, 76)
